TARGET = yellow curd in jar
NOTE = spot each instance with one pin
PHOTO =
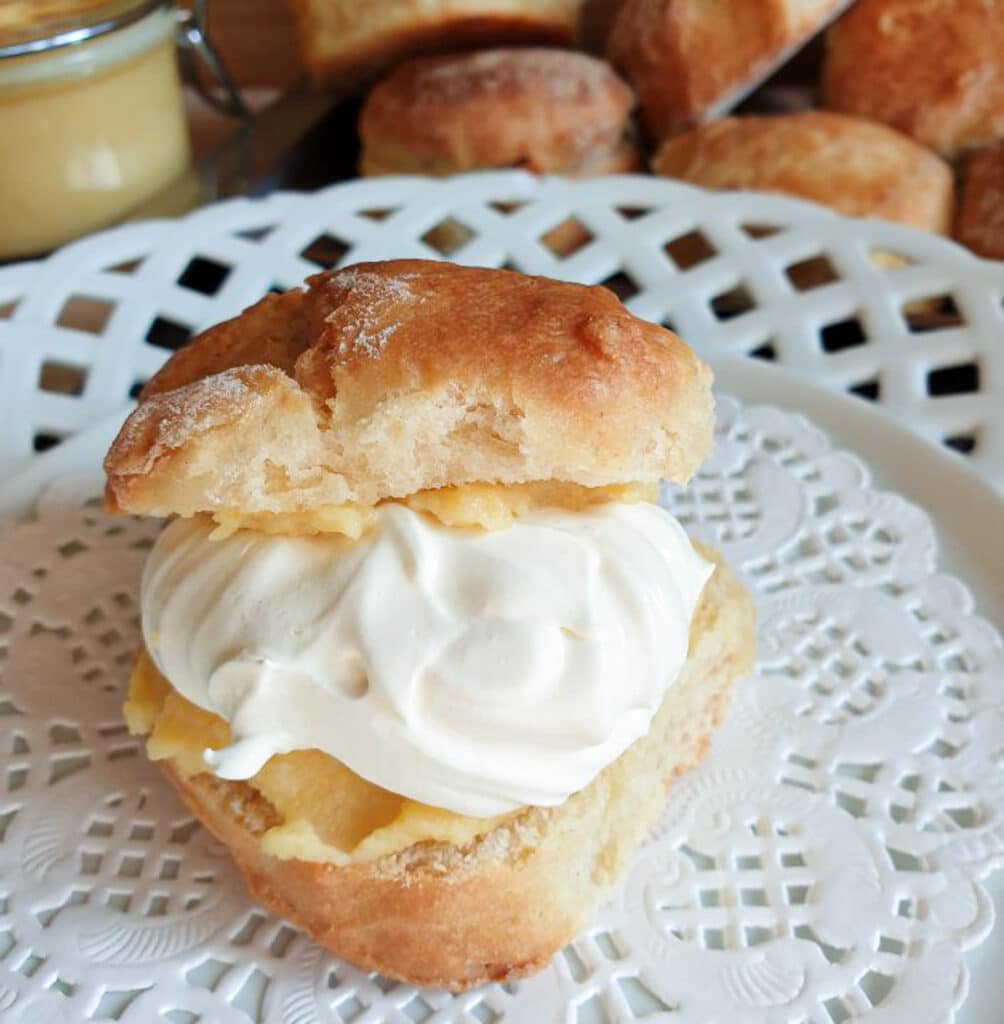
(87, 132)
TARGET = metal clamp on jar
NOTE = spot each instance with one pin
(91, 115)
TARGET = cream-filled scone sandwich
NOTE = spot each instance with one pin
(419, 646)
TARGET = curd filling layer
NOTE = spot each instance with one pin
(473, 671)
(486, 506)
(322, 811)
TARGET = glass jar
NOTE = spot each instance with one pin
(91, 116)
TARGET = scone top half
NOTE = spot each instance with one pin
(386, 379)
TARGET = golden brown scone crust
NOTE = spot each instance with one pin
(351, 40)
(932, 70)
(383, 379)
(980, 225)
(499, 908)
(685, 56)
(859, 168)
(549, 111)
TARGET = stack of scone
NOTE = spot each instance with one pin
(907, 86)
(420, 648)
(883, 146)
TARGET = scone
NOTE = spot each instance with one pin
(932, 70)
(419, 648)
(859, 168)
(689, 59)
(549, 111)
(543, 110)
(350, 40)
(980, 225)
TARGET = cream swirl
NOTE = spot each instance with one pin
(475, 671)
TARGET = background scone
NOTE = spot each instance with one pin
(859, 168)
(351, 39)
(932, 70)
(386, 411)
(549, 111)
(980, 224)
(542, 110)
(685, 58)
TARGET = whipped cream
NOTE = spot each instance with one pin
(474, 671)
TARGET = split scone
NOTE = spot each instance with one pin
(418, 646)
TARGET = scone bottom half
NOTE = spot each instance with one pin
(475, 401)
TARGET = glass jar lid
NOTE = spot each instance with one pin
(35, 26)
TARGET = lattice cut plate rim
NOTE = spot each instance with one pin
(740, 300)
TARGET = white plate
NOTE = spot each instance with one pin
(784, 508)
